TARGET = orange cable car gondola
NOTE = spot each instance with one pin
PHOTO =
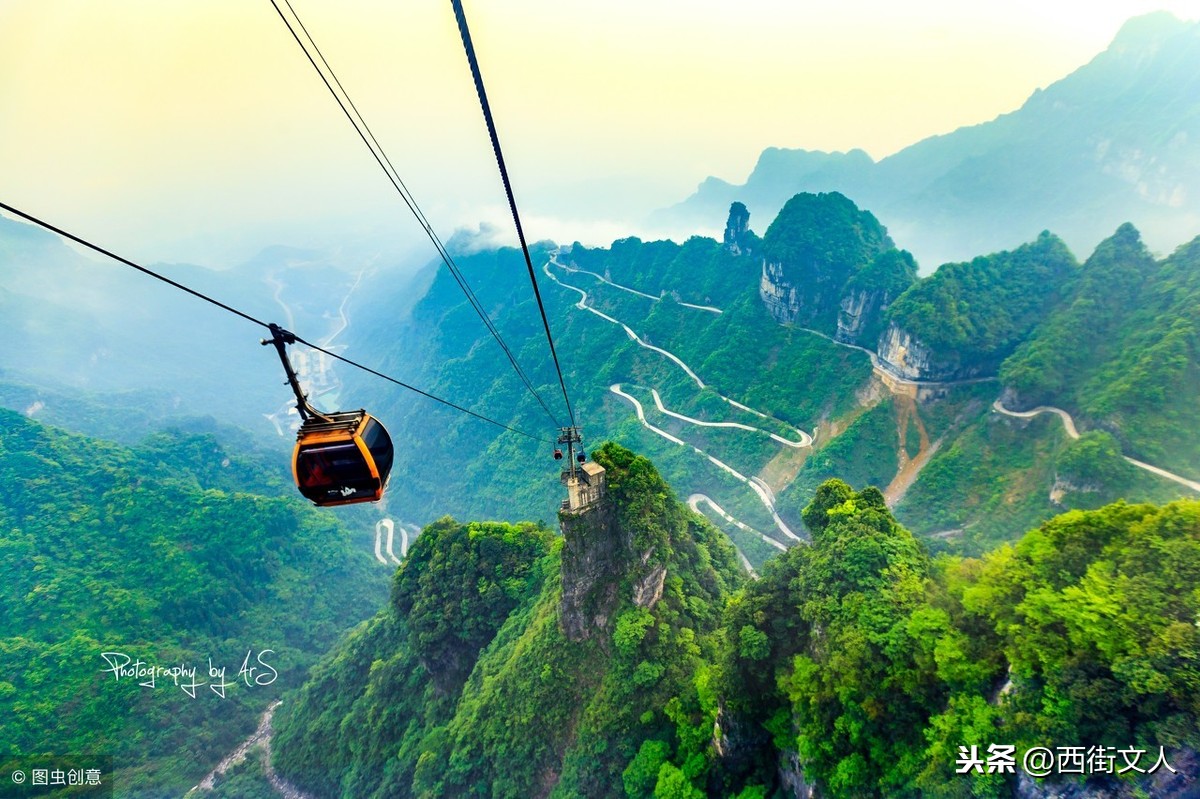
(340, 458)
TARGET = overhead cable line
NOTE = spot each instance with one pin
(225, 307)
(377, 152)
(461, 16)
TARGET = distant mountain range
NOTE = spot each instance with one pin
(73, 322)
(1116, 141)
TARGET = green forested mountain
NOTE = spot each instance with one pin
(178, 553)
(965, 318)
(881, 662)
(858, 664)
(951, 466)
(883, 523)
(465, 466)
(1123, 350)
(1114, 141)
(632, 656)
(509, 663)
(815, 246)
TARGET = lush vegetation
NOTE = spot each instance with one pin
(539, 713)
(175, 552)
(874, 663)
(973, 315)
(859, 663)
(865, 453)
(1123, 350)
(819, 243)
(831, 267)
(470, 468)
(1001, 473)
(398, 675)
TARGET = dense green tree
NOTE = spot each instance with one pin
(973, 315)
(178, 552)
(1122, 351)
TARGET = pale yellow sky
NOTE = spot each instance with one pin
(180, 130)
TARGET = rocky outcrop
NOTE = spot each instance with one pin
(648, 590)
(737, 229)
(908, 357)
(813, 249)
(856, 309)
(598, 557)
(791, 778)
(903, 355)
(594, 559)
(778, 295)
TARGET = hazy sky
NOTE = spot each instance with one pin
(183, 130)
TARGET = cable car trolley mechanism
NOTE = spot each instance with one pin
(340, 458)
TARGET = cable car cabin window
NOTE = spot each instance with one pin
(334, 472)
(380, 445)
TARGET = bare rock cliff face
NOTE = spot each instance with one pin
(648, 589)
(779, 296)
(792, 780)
(904, 355)
(598, 558)
(907, 356)
(855, 312)
(594, 556)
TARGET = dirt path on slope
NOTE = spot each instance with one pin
(908, 468)
(260, 738)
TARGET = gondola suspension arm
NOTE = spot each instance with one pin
(281, 338)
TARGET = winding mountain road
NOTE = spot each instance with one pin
(603, 279)
(694, 503)
(889, 377)
(390, 527)
(761, 489)
(754, 485)
(1073, 433)
(1068, 422)
(379, 545)
(805, 438)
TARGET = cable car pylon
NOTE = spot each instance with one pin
(570, 436)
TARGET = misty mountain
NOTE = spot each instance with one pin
(716, 308)
(1116, 141)
(79, 322)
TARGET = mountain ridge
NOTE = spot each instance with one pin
(1116, 140)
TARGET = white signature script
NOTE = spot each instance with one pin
(190, 678)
